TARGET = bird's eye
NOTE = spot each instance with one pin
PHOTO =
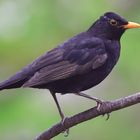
(113, 22)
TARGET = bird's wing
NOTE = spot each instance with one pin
(25, 74)
(78, 59)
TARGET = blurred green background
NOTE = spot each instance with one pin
(28, 28)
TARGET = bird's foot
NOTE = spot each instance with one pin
(100, 107)
(99, 104)
(66, 131)
(107, 116)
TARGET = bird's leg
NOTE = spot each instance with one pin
(98, 101)
(58, 107)
(61, 113)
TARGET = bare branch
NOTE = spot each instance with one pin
(105, 108)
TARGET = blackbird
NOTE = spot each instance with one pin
(79, 63)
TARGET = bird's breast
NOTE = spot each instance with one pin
(90, 79)
(113, 52)
(98, 75)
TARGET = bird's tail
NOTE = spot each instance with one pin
(3, 86)
(15, 81)
(10, 84)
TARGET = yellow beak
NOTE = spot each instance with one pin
(131, 25)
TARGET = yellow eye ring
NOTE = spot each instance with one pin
(113, 22)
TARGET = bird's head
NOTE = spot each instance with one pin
(111, 26)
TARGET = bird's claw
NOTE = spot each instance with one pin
(102, 103)
(99, 103)
(108, 116)
(66, 131)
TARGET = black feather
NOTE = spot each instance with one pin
(78, 64)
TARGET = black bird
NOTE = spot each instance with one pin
(78, 64)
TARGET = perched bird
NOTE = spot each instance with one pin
(78, 64)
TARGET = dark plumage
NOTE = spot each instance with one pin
(79, 63)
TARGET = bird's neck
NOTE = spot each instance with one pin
(103, 35)
(113, 48)
(99, 31)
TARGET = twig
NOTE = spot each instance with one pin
(105, 108)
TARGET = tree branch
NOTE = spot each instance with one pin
(105, 108)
